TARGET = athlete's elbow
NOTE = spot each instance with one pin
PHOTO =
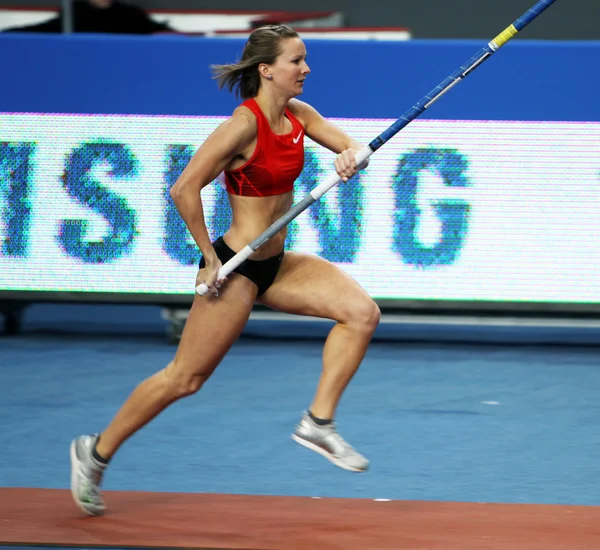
(180, 190)
(175, 191)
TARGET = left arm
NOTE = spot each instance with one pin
(330, 136)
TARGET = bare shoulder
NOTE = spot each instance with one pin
(234, 133)
(302, 111)
(243, 113)
(242, 122)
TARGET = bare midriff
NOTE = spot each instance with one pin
(251, 216)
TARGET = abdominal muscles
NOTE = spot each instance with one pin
(251, 216)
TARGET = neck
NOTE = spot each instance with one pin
(271, 105)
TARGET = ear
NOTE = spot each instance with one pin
(264, 70)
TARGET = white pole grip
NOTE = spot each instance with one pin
(228, 267)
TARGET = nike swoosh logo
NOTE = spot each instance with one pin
(297, 138)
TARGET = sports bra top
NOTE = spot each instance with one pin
(275, 164)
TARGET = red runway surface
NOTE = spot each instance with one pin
(214, 521)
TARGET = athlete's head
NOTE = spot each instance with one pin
(273, 56)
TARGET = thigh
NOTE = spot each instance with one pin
(213, 325)
(309, 285)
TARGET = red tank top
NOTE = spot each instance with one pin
(275, 164)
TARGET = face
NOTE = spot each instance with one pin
(290, 69)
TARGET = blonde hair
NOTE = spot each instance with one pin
(263, 46)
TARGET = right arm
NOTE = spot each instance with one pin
(231, 138)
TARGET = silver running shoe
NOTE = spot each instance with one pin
(326, 441)
(86, 476)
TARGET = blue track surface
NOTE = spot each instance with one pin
(439, 421)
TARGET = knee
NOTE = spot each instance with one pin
(365, 313)
(183, 382)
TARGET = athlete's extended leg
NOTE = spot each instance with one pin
(212, 326)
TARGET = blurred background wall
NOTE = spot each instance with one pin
(570, 20)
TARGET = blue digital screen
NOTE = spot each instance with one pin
(446, 210)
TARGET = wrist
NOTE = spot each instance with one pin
(210, 258)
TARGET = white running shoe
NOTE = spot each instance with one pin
(326, 441)
(86, 476)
